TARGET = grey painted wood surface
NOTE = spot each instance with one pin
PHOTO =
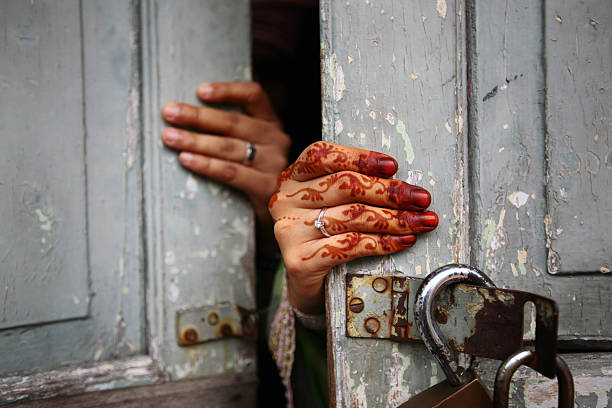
(386, 62)
(578, 46)
(44, 246)
(512, 89)
(394, 82)
(71, 119)
(155, 238)
(209, 392)
(201, 246)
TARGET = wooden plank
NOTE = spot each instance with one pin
(77, 380)
(44, 247)
(219, 391)
(579, 153)
(393, 81)
(108, 122)
(508, 160)
(201, 233)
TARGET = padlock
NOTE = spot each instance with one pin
(462, 388)
(525, 357)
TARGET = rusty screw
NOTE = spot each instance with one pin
(356, 305)
(190, 335)
(379, 285)
(213, 318)
(372, 325)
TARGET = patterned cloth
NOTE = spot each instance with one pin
(281, 334)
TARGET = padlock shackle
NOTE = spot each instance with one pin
(424, 316)
(525, 357)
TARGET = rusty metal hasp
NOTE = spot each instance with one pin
(207, 323)
(484, 322)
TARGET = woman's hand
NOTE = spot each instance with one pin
(367, 214)
(216, 143)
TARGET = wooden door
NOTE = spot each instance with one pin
(502, 111)
(105, 237)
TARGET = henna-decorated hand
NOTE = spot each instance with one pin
(218, 146)
(368, 214)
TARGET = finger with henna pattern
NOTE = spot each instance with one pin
(325, 158)
(364, 218)
(350, 187)
(332, 251)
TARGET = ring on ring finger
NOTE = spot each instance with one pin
(320, 222)
(249, 154)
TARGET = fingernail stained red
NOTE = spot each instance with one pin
(376, 164)
(420, 197)
(428, 219)
(387, 166)
(407, 240)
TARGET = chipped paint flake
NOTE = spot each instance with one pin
(169, 258)
(414, 177)
(390, 118)
(362, 138)
(401, 129)
(338, 127)
(448, 127)
(398, 391)
(191, 187)
(173, 292)
(514, 271)
(518, 198)
(441, 8)
(339, 86)
(45, 219)
(386, 141)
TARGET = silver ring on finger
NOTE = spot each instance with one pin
(249, 155)
(320, 223)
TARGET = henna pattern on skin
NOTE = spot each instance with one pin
(413, 222)
(357, 183)
(340, 252)
(376, 164)
(388, 243)
(372, 163)
(314, 155)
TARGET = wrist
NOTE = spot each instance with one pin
(308, 298)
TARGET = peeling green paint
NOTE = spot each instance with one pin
(401, 129)
(489, 232)
(46, 220)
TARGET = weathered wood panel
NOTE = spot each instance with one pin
(210, 392)
(578, 48)
(82, 64)
(515, 145)
(201, 245)
(199, 240)
(42, 211)
(394, 82)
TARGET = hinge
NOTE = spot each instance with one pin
(480, 321)
(208, 323)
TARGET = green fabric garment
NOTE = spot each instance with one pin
(309, 374)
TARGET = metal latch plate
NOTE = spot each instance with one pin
(479, 321)
(208, 323)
